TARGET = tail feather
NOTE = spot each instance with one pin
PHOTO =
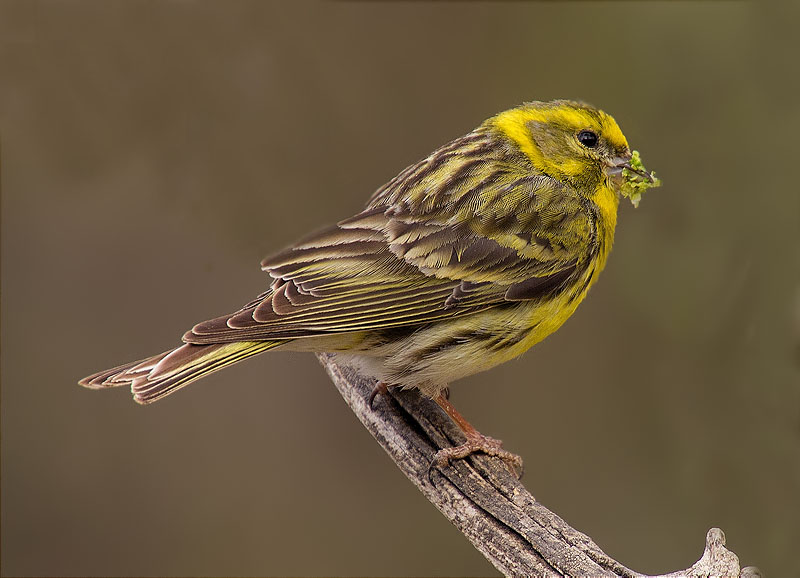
(155, 377)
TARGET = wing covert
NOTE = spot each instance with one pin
(453, 248)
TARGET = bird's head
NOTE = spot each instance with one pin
(576, 144)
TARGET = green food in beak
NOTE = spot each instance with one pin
(636, 180)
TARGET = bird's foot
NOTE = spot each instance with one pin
(477, 442)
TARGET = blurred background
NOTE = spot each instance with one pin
(154, 152)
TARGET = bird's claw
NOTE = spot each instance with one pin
(380, 388)
(480, 443)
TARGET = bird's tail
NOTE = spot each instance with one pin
(152, 378)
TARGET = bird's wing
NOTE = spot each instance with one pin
(396, 266)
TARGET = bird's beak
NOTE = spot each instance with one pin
(628, 177)
(616, 165)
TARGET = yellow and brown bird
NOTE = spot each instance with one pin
(461, 262)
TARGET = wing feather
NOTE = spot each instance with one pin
(401, 262)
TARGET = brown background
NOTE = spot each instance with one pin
(153, 152)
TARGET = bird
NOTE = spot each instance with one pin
(461, 262)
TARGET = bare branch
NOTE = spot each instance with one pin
(519, 536)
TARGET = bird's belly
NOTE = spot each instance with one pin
(431, 357)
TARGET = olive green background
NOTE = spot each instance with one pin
(154, 152)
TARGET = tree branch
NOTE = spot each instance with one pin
(519, 536)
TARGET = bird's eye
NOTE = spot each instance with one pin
(588, 138)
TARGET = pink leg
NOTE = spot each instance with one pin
(476, 442)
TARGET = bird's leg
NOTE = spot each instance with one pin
(476, 442)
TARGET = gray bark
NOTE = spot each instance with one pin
(479, 495)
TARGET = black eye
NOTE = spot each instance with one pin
(588, 138)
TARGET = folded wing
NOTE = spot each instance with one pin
(401, 264)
